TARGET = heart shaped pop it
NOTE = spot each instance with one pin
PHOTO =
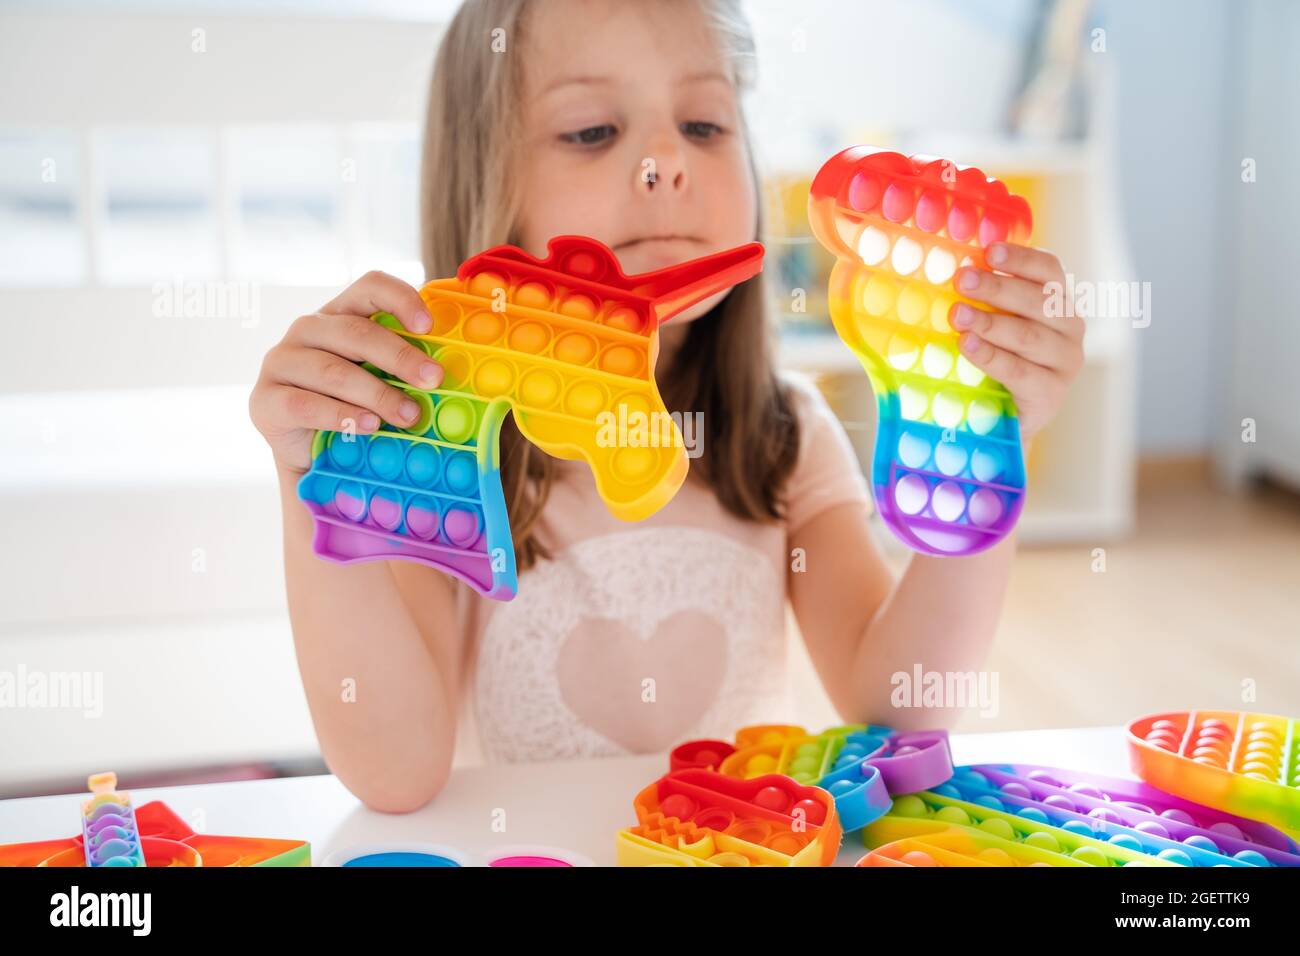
(161, 838)
(948, 471)
(700, 818)
(859, 765)
(922, 815)
(1241, 763)
(568, 343)
(1124, 813)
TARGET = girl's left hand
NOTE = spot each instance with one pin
(1035, 353)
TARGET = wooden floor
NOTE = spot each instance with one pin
(1199, 609)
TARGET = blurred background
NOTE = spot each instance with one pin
(180, 180)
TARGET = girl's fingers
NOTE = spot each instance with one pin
(380, 292)
(1005, 293)
(1035, 341)
(1025, 261)
(1024, 294)
(358, 339)
(1018, 374)
(302, 408)
(325, 372)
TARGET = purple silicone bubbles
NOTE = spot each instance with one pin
(1137, 806)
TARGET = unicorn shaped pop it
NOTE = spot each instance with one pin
(568, 344)
(948, 471)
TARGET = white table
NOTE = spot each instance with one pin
(574, 805)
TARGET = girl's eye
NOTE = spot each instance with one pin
(700, 129)
(589, 136)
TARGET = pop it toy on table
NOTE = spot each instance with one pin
(115, 834)
(557, 341)
(922, 816)
(1241, 763)
(859, 765)
(959, 846)
(109, 833)
(697, 817)
(1120, 812)
(948, 472)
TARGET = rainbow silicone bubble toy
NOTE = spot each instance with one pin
(568, 343)
(161, 838)
(859, 765)
(1242, 763)
(962, 847)
(922, 815)
(948, 471)
(1124, 813)
(109, 836)
(701, 818)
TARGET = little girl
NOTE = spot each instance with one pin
(544, 116)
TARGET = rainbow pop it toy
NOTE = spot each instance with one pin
(1124, 813)
(948, 471)
(109, 836)
(697, 817)
(963, 847)
(1241, 763)
(859, 765)
(115, 835)
(568, 343)
(923, 815)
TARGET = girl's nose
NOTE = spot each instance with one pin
(662, 168)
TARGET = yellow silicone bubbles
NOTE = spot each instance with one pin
(948, 472)
(570, 343)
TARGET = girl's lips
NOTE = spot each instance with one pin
(657, 252)
(667, 237)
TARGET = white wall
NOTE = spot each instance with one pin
(1172, 60)
(1259, 244)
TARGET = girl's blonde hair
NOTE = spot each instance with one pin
(725, 367)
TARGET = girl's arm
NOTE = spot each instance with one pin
(377, 645)
(862, 627)
(382, 690)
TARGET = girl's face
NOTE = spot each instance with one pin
(615, 92)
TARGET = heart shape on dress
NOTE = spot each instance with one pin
(602, 663)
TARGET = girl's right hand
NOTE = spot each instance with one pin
(310, 380)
